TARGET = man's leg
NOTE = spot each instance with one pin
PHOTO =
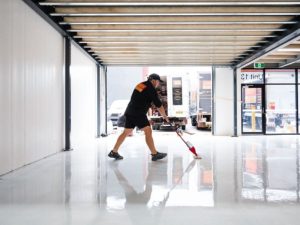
(121, 138)
(149, 139)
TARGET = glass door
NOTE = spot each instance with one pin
(252, 109)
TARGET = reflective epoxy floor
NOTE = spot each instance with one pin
(243, 180)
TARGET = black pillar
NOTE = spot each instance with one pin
(67, 94)
(213, 105)
(234, 102)
(297, 102)
(105, 78)
(98, 101)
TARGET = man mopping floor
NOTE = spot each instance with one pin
(136, 115)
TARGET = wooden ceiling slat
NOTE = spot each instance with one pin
(175, 44)
(173, 33)
(180, 19)
(171, 39)
(158, 10)
(177, 27)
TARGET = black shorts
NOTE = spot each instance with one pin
(140, 121)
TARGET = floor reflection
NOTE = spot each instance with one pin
(250, 179)
(179, 181)
(270, 172)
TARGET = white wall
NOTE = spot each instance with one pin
(223, 102)
(84, 96)
(31, 87)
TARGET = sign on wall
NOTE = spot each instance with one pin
(251, 76)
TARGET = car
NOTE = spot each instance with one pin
(116, 110)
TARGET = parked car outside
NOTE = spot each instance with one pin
(116, 110)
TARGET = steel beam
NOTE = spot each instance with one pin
(289, 62)
(289, 36)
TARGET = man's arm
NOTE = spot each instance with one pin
(163, 113)
(157, 102)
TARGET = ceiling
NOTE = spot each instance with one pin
(165, 32)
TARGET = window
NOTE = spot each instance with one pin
(280, 76)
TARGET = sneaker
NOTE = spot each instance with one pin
(115, 155)
(158, 156)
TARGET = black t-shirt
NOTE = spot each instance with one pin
(142, 97)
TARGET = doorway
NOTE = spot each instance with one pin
(252, 108)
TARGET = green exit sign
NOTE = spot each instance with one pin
(259, 65)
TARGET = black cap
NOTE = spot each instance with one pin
(154, 76)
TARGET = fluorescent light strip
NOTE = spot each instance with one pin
(199, 54)
(167, 58)
(169, 62)
(149, 50)
(168, 3)
(164, 61)
(176, 47)
(289, 50)
(159, 57)
(176, 14)
(165, 53)
(176, 23)
(168, 42)
(171, 37)
(181, 47)
(171, 30)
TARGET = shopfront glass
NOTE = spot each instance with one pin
(280, 109)
(252, 108)
(276, 76)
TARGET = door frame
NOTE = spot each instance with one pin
(263, 113)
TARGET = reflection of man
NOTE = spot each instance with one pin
(131, 194)
(143, 95)
(137, 202)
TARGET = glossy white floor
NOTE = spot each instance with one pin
(244, 180)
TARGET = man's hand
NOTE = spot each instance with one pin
(163, 114)
(166, 119)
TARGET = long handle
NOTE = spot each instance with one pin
(178, 133)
